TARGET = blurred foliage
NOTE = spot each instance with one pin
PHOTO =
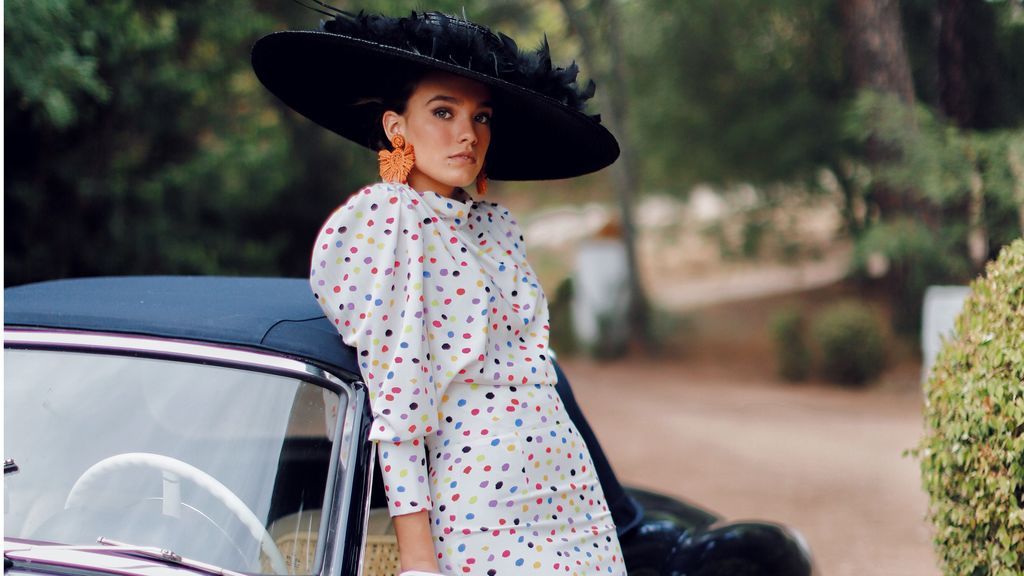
(792, 355)
(563, 336)
(158, 153)
(916, 255)
(972, 455)
(937, 167)
(139, 140)
(851, 343)
(734, 90)
(938, 160)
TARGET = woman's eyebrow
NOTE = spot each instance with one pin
(454, 100)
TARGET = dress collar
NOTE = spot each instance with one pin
(455, 209)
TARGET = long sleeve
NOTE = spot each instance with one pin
(367, 275)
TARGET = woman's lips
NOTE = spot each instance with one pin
(463, 158)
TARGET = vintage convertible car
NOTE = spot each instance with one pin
(218, 425)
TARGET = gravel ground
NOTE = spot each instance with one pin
(826, 461)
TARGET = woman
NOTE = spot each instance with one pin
(484, 472)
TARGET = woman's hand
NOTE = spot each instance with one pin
(415, 545)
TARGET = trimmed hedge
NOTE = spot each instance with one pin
(972, 454)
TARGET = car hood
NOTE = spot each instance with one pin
(21, 557)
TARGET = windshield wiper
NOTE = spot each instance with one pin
(163, 555)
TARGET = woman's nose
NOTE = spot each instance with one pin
(467, 132)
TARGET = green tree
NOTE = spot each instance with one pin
(734, 90)
(138, 140)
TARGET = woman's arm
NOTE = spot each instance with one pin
(415, 545)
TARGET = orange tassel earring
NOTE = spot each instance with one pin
(481, 183)
(396, 164)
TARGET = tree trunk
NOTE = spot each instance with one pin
(966, 56)
(977, 232)
(876, 60)
(876, 55)
(625, 174)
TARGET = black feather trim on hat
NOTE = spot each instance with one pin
(341, 75)
(471, 46)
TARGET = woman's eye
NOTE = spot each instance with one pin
(443, 113)
(483, 118)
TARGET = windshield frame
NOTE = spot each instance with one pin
(345, 438)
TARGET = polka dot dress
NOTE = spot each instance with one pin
(451, 328)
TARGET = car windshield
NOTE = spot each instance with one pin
(222, 465)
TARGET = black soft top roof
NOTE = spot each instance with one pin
(275, 314)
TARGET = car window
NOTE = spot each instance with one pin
(223, 465)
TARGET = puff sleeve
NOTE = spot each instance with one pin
(367, 274)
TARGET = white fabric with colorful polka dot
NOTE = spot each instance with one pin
(451, 328)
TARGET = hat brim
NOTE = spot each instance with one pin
(326, 76)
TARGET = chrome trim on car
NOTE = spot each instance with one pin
(151, 345)
(366, 506)
(349, 447)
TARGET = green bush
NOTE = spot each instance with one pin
(563, 336)
(972, 453)
(792, 356)
(851, 342)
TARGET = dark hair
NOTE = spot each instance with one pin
(395, 98)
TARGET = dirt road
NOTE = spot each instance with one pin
(821, 459)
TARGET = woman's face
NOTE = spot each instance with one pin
(448, 122)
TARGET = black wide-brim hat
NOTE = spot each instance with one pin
(539, 130)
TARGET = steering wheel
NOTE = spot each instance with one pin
(173, 469)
